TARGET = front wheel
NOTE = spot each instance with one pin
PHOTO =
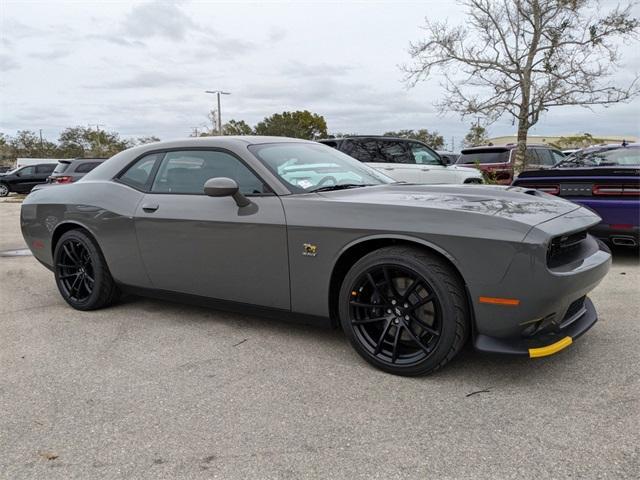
(4, 190)
(81, 272)
(404, 310)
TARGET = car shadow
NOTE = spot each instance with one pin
(625, 255)
(470, 370)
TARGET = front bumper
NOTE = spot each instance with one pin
(537, 304)
(547, 342)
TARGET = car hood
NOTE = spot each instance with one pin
(523, 205)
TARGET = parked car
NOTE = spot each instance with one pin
(498, 162)
(449, 158)
(605, 180)
(403, 159)
(68, 171)
(22, 180)
(292, 228)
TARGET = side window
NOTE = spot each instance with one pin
(86, 167)
(395, 152)
(361, 150)
(47, 168)
(423, 155)
(544, 157)
(137, 175)
(187, 172)
(530, 157)
(557, 156)
(27, 171)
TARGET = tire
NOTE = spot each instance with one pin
(81, 272)
(423, 330)
(473, 181)
(4, 190)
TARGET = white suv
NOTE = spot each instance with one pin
(403, 159)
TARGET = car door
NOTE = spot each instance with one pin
(429, 166)
(25, 179)
(43, 172)
(397, 161)
(206, 246)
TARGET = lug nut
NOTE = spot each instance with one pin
(393, 302)
(406, 317)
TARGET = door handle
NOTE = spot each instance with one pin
(388, 168)
(425, 169)
(150, 207)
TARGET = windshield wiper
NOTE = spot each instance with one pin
(342, 186)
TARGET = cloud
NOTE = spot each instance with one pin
(158, 19)
(116, 39)
(148, 80)
(299, 69)
(51, 54)
(7, 63)
(276, 35)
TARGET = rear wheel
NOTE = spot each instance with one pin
(4, 190)
(404, 310)
(81, 272)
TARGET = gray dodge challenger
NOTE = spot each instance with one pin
(292, 228)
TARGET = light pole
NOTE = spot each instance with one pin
(218, 93)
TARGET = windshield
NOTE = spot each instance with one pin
(605, 158)
(307, 167)
(484, 156)
(61, 167)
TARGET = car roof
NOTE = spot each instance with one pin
(374, 137)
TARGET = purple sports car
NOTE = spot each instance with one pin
(606, 180)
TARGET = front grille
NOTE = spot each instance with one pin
(563, 247)
(573, 312)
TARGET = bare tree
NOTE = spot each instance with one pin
(522, 57)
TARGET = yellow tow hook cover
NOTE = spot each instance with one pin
(550, 349)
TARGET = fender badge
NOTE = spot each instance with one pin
(309, 249)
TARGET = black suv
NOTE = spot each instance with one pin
(23, 179)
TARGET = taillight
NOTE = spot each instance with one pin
(550, 189)
(64, 179)
(616, 190)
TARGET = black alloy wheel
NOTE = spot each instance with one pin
(395, 314)
(76, 272)
(81, 272)
(404, 310)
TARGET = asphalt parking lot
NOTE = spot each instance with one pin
(149, 389)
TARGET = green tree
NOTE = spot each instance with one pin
(299, 124)
(145, 140)
(86, 142)
(433, 139)
(578, 141)
(477, 136)
(27, 143)
(522, 57)
(236, 127)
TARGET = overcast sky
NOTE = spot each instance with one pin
(141, 68)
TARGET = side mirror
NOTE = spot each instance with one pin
(225, 187)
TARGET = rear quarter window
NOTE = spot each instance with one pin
(139, 174)
(61, 167)
(45, 168)
(86, 167)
